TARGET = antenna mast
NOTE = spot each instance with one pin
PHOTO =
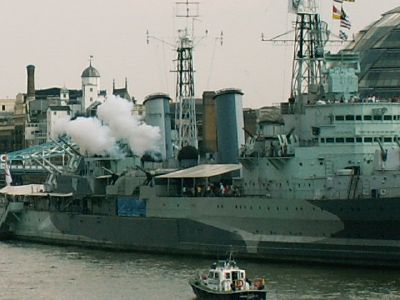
(308, 54)
(185, 108)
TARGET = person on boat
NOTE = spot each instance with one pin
(221, 189)
(247, 283)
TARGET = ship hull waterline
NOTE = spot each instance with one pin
(185, 236)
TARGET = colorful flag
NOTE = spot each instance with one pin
(344, 20)
(343, 15)
(343, 35)
(335, 14)
(345, 23)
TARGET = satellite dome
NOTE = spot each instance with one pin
(90, 72)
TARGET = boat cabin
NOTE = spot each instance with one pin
(224, 275)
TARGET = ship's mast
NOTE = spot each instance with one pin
(185, 108)
(308, 54)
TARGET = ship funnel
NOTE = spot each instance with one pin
(158, 114)
(230, 135)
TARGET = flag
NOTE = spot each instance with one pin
(344, 20)
(343, 35)
(345, 23)
(343, 15)
(335, 14)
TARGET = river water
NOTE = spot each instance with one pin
(34, 271)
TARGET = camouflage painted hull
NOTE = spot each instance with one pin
(359, 232)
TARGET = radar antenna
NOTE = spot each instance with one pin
(185, 108)
(308, 56)
(310, 38)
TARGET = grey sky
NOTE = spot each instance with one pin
(57, 36)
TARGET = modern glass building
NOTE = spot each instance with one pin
(379, 48)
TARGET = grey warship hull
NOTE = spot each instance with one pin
(353, 232)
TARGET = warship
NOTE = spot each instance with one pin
(319, 183)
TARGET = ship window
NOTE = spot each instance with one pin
(235, 275)
(339, 118)
(387, 117)
(358, 139)
(227, 275)
(349, 140)
(377, 118)
(339, 140)
(349, 118)
(387, 139)
(322, 140)
(368, 140)
(367, 118)
(358, 118)
(330, 140)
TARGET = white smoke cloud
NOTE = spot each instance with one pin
(116, 113)
(115, 122)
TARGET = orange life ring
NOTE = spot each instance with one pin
(239, 283)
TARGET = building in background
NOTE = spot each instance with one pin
(379, 48)
(12, 120)
(123, 92)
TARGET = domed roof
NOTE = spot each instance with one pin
(379, 47)
(90, 72)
